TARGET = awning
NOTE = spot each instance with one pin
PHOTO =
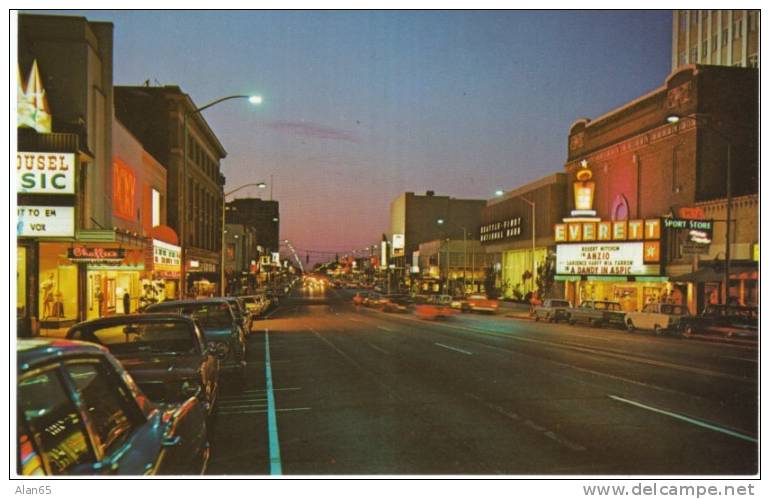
(708, 274)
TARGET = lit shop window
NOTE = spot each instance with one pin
(155, 208)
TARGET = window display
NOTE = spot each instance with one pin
(58, 297)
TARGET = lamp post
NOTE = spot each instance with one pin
(261, 185)
(534, 264)
(673, 119)
(254, 99)
(441, 221)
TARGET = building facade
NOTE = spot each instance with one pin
(715, 37)
(242, 257)
(454, 266)
(260, 214)
(507, 230)
(64, 165)
(166, 121)
(637, 177)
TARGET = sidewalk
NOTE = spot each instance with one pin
(514, 309)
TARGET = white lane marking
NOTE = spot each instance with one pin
(744, 359)
(247, 406)
(686, 419)
(385, 329)
(227, 400)
(591, 351)
(378, 349)
(453, 348)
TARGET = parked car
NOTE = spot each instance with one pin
(256, 305)
(81, 413)
(240, 311)
(659, 317)
(480, 303)
(166, 354)
(598, 313)
(397, 303)
(725, 320)
(220, 325)
(553, 310)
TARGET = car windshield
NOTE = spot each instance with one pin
(208, 315)
(145, 337)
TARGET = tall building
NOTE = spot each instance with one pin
(262, 215)
(414, 219)
(715, 37)
(156, 116)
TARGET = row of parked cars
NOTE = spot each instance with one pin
(426, 305)
(131, 394)
(662, 318)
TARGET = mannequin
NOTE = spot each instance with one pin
(46, 289)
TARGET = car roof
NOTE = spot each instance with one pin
(147, 317)
(34, 352)
(181, 303)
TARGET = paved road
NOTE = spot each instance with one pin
(358, 391)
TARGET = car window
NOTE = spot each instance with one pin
(649, 308)
(559, 303)
(54, 419)
(142, 337)
(105, 404)
(599, 305)
(208, 315)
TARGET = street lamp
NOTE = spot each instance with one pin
(534, 265)
(441, 221)
(674, 119)
(253, 99)
(499, 193)
(261, 185)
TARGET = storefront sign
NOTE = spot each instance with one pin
(123, 190)
(505, 229)
(398, 241)
(625, 230)
(45, 173)
(695, 249)
(32, 104)
(699, 231)
(45, 221)
(694, 213)
(609, 259)
(96, 254)
(166, 259)
(276, 258)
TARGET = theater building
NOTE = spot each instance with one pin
(637, 176)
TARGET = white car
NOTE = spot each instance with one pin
(658, 317)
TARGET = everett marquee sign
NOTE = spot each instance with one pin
(609, 259)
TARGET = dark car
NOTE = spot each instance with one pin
(241, 312)
(166, 354)
(553, 310)
(81, 413)
(725, 320)
(220, 326)
(598, 313)
(397, 303)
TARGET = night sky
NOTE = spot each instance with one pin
(360, 106)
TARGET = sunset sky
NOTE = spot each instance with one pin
(360, 106)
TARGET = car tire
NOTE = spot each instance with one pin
(630, 327)
(537, 318)
(571, 321)
(658, 330)
(688, 331)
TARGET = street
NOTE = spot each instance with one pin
(331, 389)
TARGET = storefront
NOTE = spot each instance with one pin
(112, 277)
(202, 277)
(523, 246)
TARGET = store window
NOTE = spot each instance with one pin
(21, 281)
(58, 294)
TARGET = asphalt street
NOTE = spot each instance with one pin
(332, 389)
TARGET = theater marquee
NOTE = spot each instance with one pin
(609, 259)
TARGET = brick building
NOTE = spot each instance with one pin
(644, 167)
